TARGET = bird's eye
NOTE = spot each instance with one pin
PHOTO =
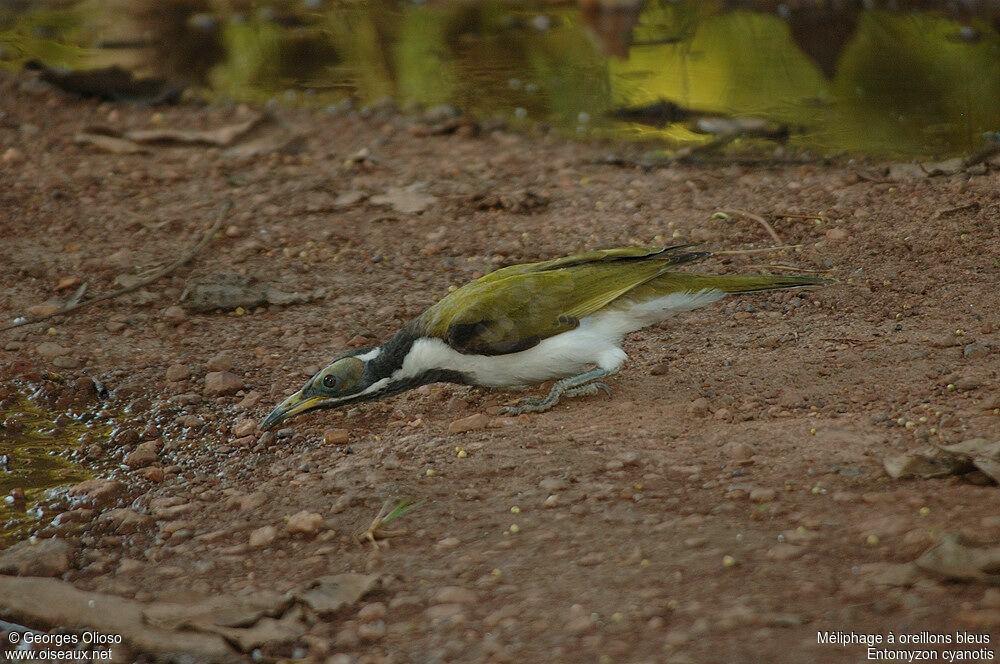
(329, 382)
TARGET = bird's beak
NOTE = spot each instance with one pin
(290, 407)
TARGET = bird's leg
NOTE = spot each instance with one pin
(574, 386)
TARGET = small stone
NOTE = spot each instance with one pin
(369, 632)
(723, 414)
(349, 199)
(220, 383)
(991, 599)
(836, 234)
(579, 625)
(12, 156)
(304, 522)
(44, 309)
(174, 314)
(50, 350)
(220, 363)
(699, 407)
(454, 613)
(551, 501)
(252, 398)
(98, 492)
(371, 612)
(470, 423)
(449, 543)
(455, 595)
(784, 551)
(66, 362)
(737, 451)
(975, 350)
(126, 521)
(143, 455)
(761, 495)
(47, 557)
(67, 282)
(244, 427)
(336, 436)
(967, 383)
(262, 537)
(553, 484)
(153, 474)
(945, 341)
(177, 372)
(661, 369)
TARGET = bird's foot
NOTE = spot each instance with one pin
(568, 387)
(588, 390)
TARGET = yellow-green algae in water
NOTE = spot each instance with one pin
(35, 442)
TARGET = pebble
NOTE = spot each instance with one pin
(455, 613)
(455, 595)
(975, 350)
(369, 632)
(371, 612)
(50, 350)
(836, 234)
(126, 521)
(98, 492)
(470, 423)
(47, 557)
(737, 451)
(220, 363)
(660, 369)
(553, 484)
(12, 156)
(174, 314)
(991, 599)
(244, 427)
(579, 625)
(220, 383)
(699, 407)
(262, 537)
(145, 454)
(153, 474)
(336, 436)
(189, 421)
(349, 199)
(967, 383)
(252, 398)
(761, 495)
(449, 543)
(177, 372)
(303, 522)
(551, 501)
(66, 362)
(784, 551)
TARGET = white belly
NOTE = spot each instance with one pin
(597, 341)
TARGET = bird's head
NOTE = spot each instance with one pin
(343, 381)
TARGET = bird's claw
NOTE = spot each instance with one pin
(535, 405)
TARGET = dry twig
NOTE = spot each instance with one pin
(159, 274)
(760, 220)
(733, 252)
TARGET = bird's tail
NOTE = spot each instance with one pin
(737, 283)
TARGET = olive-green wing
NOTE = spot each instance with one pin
(598, 256)
(510, 312)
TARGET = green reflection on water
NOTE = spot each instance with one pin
(35, 450)
(908, 84)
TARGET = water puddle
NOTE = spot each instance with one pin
(913, 82)
(36, 456)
